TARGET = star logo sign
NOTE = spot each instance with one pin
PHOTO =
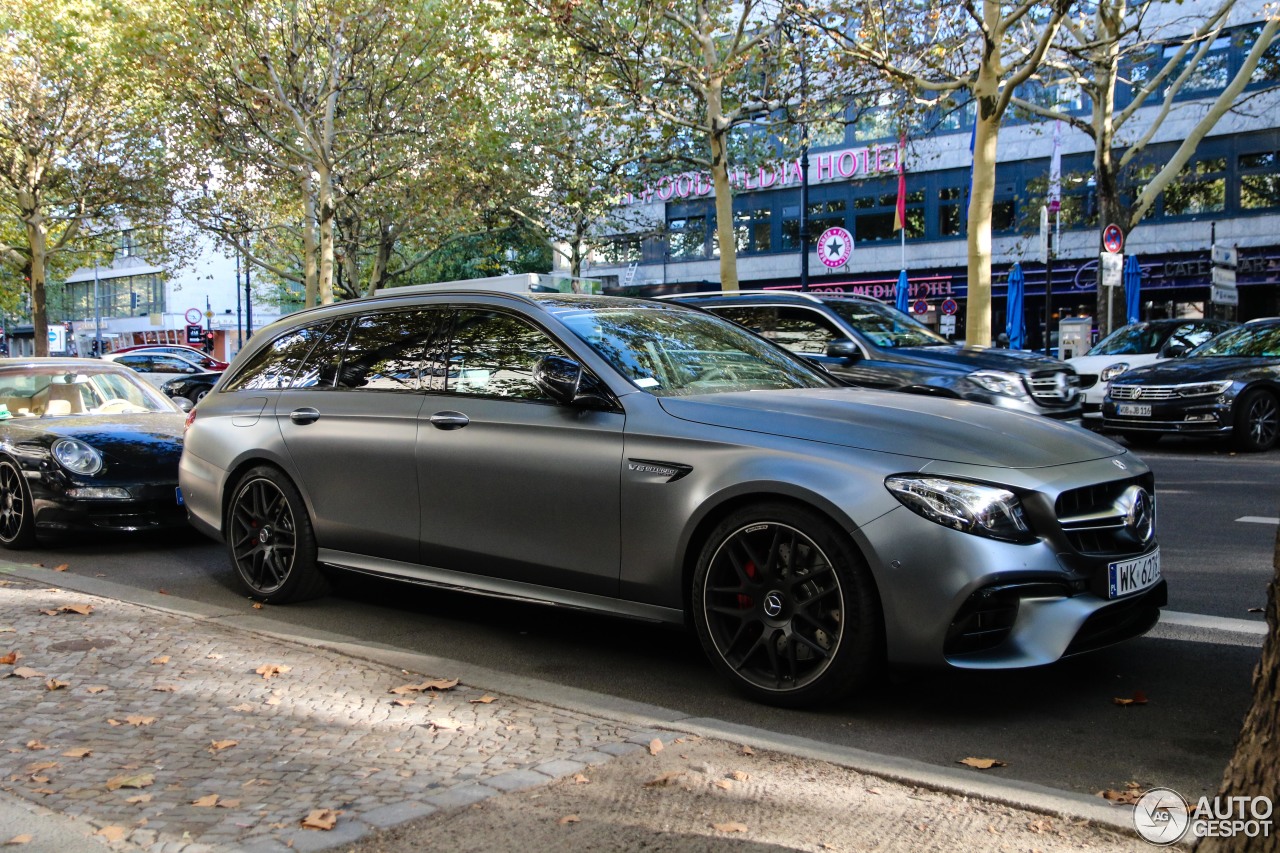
(835, 248)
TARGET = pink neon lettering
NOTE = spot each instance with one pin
(702, 185)
(684, 185)
(772, 175)
(847, 165)
(884, 163)
(824, 167)
(665, 189)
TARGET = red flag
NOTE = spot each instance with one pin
(900, 212)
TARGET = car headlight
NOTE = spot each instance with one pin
(77, 457)
(999, 382)
(1111, 371)
(1203, 389)
(981, 510)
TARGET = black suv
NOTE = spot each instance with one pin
(865, 342)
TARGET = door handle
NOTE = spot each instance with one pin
(304, 416)
(449, 420)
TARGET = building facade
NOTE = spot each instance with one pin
(1228, 194)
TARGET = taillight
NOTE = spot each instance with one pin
(191, 418)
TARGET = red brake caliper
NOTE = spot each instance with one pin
(745, 601)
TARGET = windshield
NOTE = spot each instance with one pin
(673, 353)
(885, 325)
(1138, 339)
(49, 392)
(1248, 341)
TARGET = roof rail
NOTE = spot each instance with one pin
(803, 294)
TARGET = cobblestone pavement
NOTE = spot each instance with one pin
(171, 734)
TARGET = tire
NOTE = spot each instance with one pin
(1257, 421)
(271, 541)
(1143, 439)
(201, 394)
(17, 514)
(804, 629)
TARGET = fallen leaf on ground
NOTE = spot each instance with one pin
(257, 605)
(82, 609)
(35, 744)
(983, 763)
(78, 752)
(40, 766)
(1139, 698)
(97, 688)
(570, 818)
(20, 839)
(729, 827)
(131, 780)
(55, 684)
(206, 802)
(746, 750)
(138, 720)
(1040, 826)
(61, 568)
(164, 688)
(219, 745)
(267, 670)
(740, 775)
(213, 656)
(655, 746)
(11, 658)
(484, 700)
(140, 798)
(26, 672)
(434, 684)
(875, 791)
(1128, 797)
(581, 780)
(243, 707)
(664, 780)
(325, 819)
(112, 833)
(404, 703)
(724, 783)
(161, 659)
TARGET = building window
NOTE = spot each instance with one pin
(875, 215)
(687, 238)
(1201, 188)
(753, 230)
(822, 215)
(619, 249)
(951, 212)
(1259, 181)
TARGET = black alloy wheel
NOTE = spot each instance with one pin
(17, 516)
(1257, 421)
(271, 541)
(786, 607)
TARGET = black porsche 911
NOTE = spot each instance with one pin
(85, 445)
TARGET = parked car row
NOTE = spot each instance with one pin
(656, 460)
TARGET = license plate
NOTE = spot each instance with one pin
(177, 492)
(1133, 410)
(1126, 577)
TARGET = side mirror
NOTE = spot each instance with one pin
(563, 380)
(1176, 350)
(845, 349)
(183, 403)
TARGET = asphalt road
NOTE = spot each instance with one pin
(1056, 725)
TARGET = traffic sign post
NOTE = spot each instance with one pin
(1222, 290)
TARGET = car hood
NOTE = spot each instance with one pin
(968, 359)
(1096, 363)
(1198, 369)
(905, 424)
(141, 440)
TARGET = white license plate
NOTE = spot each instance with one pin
(1133, 410)
(1125, 577)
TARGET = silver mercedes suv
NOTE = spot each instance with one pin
(652, 461)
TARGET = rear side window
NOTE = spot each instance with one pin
(275, 365)
(393, 351)
(493, 355)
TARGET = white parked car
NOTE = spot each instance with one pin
(1134, 345)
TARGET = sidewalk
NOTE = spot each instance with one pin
(144, 727)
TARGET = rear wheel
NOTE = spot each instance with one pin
(271, 541)
(785, 606)
(1257, 421)
(17, 515)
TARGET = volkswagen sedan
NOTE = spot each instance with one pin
(653, 461)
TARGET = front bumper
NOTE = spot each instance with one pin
(153, 507)
(1210, 416)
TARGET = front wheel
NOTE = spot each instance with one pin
(271, 541)
(785, 606)
(1257, 421)
(17, 515)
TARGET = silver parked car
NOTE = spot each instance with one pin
(657, 462)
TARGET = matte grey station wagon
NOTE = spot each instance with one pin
(653, 461)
